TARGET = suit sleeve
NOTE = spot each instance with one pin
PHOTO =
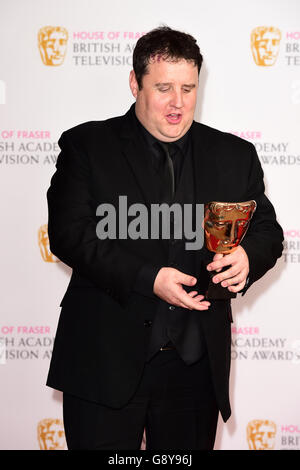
(145, 280)
(72, 225)
(264, 238)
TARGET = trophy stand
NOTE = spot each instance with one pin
(216, 291)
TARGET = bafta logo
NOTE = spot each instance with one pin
(265, 42)
(43, 241)
(52, 42)
(261, 434)
(51, 434)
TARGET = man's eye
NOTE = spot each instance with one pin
(186, 90)
(163, 90)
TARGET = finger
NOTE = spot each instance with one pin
(195, 296)
(237, 288)
(217, 257)
(199, 297)
(231, 258)
(185, 279)
(183, 299)
(194, 304)
(219, 264)
(192, 293)
(201, 306)
(178, 301)
(229, 273)
(234, 280)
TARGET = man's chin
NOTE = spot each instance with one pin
(173, 133)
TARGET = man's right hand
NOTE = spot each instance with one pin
(168, 286)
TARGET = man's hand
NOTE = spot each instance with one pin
(236, 274)
(168, 286)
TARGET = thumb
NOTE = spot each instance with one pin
(218, 256)
(188, 280)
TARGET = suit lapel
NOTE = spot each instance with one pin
(207, 175)
(138, 158)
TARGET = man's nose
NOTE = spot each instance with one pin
(177, 99)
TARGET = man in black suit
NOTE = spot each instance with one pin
(138, 346)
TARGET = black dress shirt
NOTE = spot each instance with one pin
(147, 274)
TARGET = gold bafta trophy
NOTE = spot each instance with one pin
(225, 225)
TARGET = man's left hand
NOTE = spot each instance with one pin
(235, 277)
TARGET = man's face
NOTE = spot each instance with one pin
(166, 103)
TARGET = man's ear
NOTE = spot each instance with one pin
(133, 84)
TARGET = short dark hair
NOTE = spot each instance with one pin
(165, 42)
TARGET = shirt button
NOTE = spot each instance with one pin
(147, 323)
(171, 307)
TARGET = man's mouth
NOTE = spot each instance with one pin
(174, 118)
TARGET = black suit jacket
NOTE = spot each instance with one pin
(104, 327)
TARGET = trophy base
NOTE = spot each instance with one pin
(218, 292)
